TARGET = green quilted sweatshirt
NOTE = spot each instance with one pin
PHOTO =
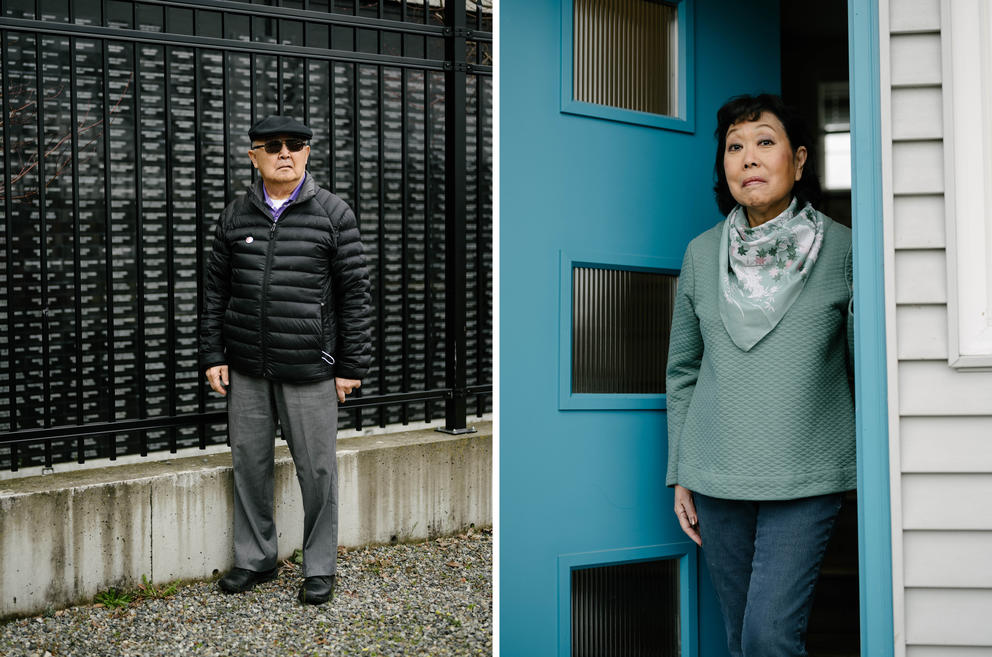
(775, 422)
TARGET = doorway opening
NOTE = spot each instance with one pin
(815, 80)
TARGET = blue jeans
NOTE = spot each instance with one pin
(764, 560)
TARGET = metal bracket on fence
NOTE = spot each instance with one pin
(456, 432)
(459, 395)
(458, 32)
(460, 67)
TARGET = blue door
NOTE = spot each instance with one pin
(582, 476)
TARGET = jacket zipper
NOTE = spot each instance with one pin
(266, 276)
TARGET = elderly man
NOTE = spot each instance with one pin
(285, 335)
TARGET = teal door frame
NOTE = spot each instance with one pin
(871, 389)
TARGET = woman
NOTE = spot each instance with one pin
(760, 416)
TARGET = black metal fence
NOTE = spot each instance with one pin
(123, 137)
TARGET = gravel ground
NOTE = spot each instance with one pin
(432, 598)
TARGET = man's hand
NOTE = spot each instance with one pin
(345, 387)
(217, 376)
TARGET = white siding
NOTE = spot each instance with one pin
(947, 501)
(914, 16)
(941, 418)
(913, 110)
(916, 59)
(919, 221)
(922, 276)
(918, 167)
(957, 559)
(942, 444)
(921, 332)
(947, 651)
(953, 617)
(933, 388)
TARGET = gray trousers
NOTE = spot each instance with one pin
(308, 416)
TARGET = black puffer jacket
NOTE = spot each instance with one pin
(287, 300)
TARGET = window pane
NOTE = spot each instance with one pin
(837, 159)
(620, 326)
(835, 128)
(626, 609)
(625, 55)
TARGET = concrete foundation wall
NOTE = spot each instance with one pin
(64, 537)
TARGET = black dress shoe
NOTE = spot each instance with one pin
(317, 590)
(239, 580)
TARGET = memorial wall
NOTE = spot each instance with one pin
(119, 154)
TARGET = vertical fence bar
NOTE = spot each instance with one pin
(454, 216)
(404, 246)
(109, 242)
(332, 125)
(201, 393)
(280, 105)
(76, 260)
(139, 257)
(227, 103)
(480, 274)
(378, 33)
(306, 90)
(226, 137)
(428, 251)
(380, 311)
(227, 129)
(43, 250)
(251, 92)
(355, 181)
(9, 248)
(170, 273)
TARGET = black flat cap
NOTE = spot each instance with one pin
(274, 125)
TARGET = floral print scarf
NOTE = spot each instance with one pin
(763, 269)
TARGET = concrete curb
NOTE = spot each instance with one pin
(66, 536)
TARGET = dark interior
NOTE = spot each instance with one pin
(814, 63)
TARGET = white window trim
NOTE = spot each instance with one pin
(966, 27)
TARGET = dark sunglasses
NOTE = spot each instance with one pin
(275, 146)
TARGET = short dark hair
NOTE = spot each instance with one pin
(749, 108)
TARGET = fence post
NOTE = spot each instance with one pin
(456, 69)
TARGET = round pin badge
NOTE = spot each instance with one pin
(249, 239)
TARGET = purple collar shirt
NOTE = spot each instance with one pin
(277, 207)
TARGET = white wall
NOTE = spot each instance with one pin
(940, 416)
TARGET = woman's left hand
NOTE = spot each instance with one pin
(685, 509)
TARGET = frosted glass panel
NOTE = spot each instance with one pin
(626, 610)
(620, 327)
(625, 54)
